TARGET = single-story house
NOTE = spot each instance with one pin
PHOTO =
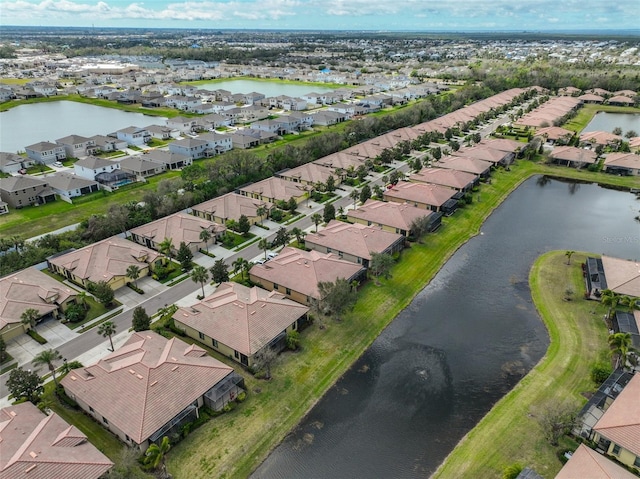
(591, 98)
(140, 166)
(393, 217)
(297, 273)
(106, 260)
(555, 135)
(455, 179)
(179, 227)
(151, 387)
(470, 165)
(627, 164)
(36, 445)
(309, 174)
(628, 322)
(573, 157)
(70, 185)
(485, 153)
(45, 152)
(30, 288)
(603, 138)
(239, 321)
(168, 159)
(587, 463)
(232, 206)
(25, 190)
(622, 276)
(354, 242)
(428, 197)
(274, 189)
(12, 163)
(620, 100)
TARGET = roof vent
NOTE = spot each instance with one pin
(174, 368)
(139, 376)
(132, 371)
(33, 454)
(30, 468)
(154, 383)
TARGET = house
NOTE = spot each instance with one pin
(112, 180)
(24, 190)
(591, 98)
(168, 159)
(151, 387)
(12, 163)
(274, 189)
(354, 242)
(134, 135)
(428, 197)
(232, 206)
(621, 100)
(178, 227)
(573, 157)
(503, 144)
(43, 88)
(328, 118)
(457, 180)
(239, 322)
(628, 322)
(193, 148)
(45, 152)
(276, 126)
(76, 146)
(393, 217)
(36, 445)
(298, 272)
(603, 138)
(216, 143)
(341, 162)
(140, 166)
(625, 164)
(480, 152)
(622, 276)
(4, 207)
(106, 260)
(160, 132)
(308, 174)
(70, 186)
(587, 463)
(555, 135)
(617, 432)
(108, 143)
(470, 165)
(214, 120)
(240, 139)
(91, 166)
(182, 124)
(30, 288)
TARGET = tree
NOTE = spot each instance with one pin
(239, 265)
(293, 340)
(317, 219)
(75, 313)
(365, 193)
(419, 227)
(292, 204)
(381, 264)
(620, 344)
(263, 244)
(282, 237)
(354, 195)
(219, 272)
(261, 211)
(25, 384)
(3, 349)
(48, 357)
(201, 275)
(330, 186)
(133, 272)
(569, 254)
(103, 292)
(81, 296)
(154, 456)
(329, 213)
(30, 316)
(378, 191)
(617, 131)
(184, 256)
(243, 225)
(141, 320)
(263, 360)
(107, 329)
(299, 234)
(166, 247)
(610, 299)
(437, 153)
(336, 297)
(205, 236)
(556, 419)
(630, 134)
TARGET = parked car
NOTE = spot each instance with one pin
(271, 255)
(261, 261)
(57, 164)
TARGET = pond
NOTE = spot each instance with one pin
(604, 121)
(267, 88)
(464, 342)
(25, 125)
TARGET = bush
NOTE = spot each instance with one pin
(135, 288)
(600, 372)
(276, 215)
(242, 396)
(161, 272)
(75, 313)
(512, 471)
(230, 406)
(62, 395)
(36, 336)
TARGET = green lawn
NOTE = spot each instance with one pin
(232, 239)
(509, 433)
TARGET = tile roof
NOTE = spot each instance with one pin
(309, 172)
(43, 146)
(428, 194)
(599, 137)
(30, 288)
(302, 270)
(105, 259)
(503, 144)
(482, 152)
(145, 383)
(354, 239)
(275, 188)
(470, 165)
(166, 157)
(555, 132)
(589, 464)
(620, 423)
(395, 215)
(340, 160)
(625, 160)
(67, 181)
(232, 206)
(93, 162)
(623, 276)
(573, 153)
(245, 319)
(444, 177)
(179, 227)
(36, 446)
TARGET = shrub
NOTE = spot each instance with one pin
(161, 272)
(36, 336)
(276, 215)
(135, 288)
(600, 372)
(512, 471)
(230, 406)
(242, 396)
(75, 313)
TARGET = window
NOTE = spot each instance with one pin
(636, 463)
(275, 286)
(200, 335)
(214, 343)
(615, 450)
(127, 438)
(288, 290)
(91, 409)
(104, 420)
(235, 354)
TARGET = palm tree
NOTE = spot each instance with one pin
(240, 265)
(629, 302)
(569, 254)
(354, 195)
(82, 298)
(621, 347)
(200, 275)
(133, 272)
(30, 316)
(108, 328)
(17, 242)
(261, 211)
(263, 244)
(48, 357)
(317, 219)
(166, 247)
(299, 234)
(155, 455)
(205, 235)
(611, 299)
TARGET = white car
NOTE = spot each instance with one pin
(271, 255)
(57, 164)
(261, 261)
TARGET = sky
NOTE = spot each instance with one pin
(390, 15)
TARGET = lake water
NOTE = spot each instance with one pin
(604, 121)
(268, 89)
(462, 344)
(25, 125)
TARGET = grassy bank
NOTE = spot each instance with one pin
(587, 112)
(510, 433)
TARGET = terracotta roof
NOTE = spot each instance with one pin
(309, 172)
(30, 288)
(550, 111)
(444, 177)
(599, 137)
(621, 422)
(469, 165)
(179, 227)
(591, 97)
(366, 150)
(103, 260)
(625, 160)
(340, 160)
(629, 93)
(554, 132)
(301, 271)
(502, 144)
(481, 152)
(145, 383)
(589, 464)
(623, 276)
(395, 215)
(621, 99)
(275, 188)
(232, 206)
(428, 194)
(571, 153)
(245, 319)
(354, 239)
(36, 446)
